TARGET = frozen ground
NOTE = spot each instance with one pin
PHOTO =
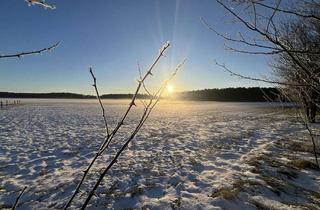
(189, 155)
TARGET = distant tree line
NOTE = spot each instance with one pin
(44, 95)
(68, 95)
(254, 94)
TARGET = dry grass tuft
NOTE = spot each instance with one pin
(262, 206)
(227, 193)
(304, 164)
(136, 190)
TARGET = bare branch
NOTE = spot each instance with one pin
(143, 84)
(272, 40)
(253, 52)
(18, 198)
(144, 103)
(20, 55)
(108, 140)
(223, 66)
(99, 99)
(41, 3)
(242, 40)
(152, 102)
(254, 13)
(273, 14)
(288, 11)
(305, 123)
(313, 143)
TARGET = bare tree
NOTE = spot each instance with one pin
(289, 32)
(291, 35)
(303, 34)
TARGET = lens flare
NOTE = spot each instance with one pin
(170, 89)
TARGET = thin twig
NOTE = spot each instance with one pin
(276, 42)
(18, 198)
(313, 143)
(144, 117)
(288, 11)
(132, 103)
(99, 99)
(223, 66)
(305, 123)
(20, 55)
(242, 40)
(143, 84)
(41, 3)
(270, 21)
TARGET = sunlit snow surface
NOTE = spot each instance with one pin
(183, 153)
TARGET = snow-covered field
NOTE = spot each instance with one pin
(188, 155)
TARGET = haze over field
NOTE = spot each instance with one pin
(163, 104)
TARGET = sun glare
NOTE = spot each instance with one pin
(170, 89)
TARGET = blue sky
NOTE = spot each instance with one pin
(112, 36)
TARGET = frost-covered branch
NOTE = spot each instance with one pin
(270, 38)
(109, 138)
(257, 48)
(135, 95)
(36, 52)
(148, 109)
(41, 3)
(287, 11)
(291, 36)
(232, 73)
(99, 99)
(143, 84)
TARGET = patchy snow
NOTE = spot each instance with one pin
(186, 153)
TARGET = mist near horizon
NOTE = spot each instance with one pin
(162, 104)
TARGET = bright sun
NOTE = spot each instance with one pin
(170, 89)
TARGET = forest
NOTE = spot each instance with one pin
(252, 94)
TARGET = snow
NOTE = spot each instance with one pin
(185, 153)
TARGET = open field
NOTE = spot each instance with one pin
(189, 155)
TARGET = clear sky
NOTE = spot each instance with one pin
(111, 36)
